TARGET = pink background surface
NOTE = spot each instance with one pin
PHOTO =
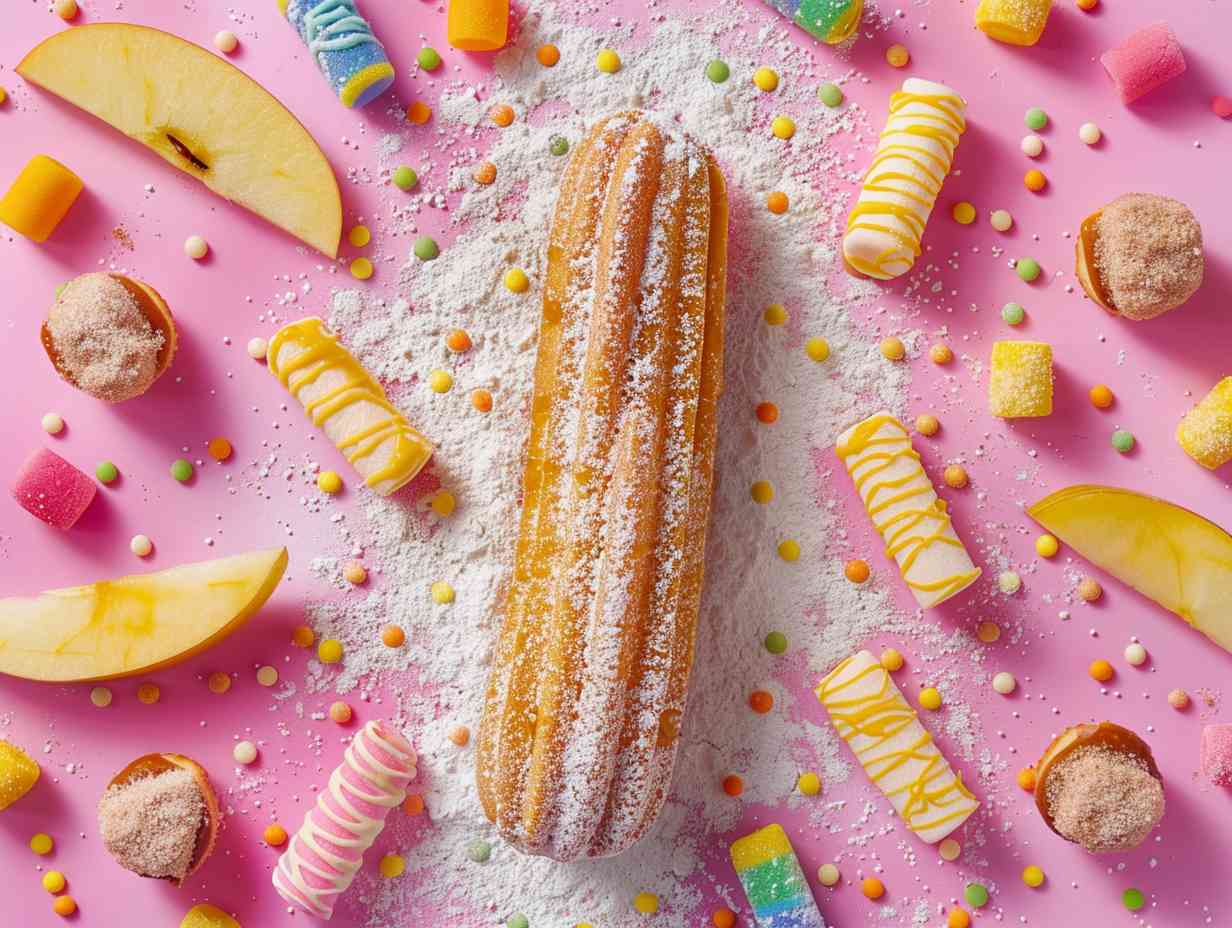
(214, 389)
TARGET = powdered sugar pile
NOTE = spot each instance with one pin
(441, 674)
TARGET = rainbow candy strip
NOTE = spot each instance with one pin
(773, 881)
(832, 21)
(341, 40)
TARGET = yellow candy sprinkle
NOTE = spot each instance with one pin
(897, 56)
(789, 550)
(988, 632)
(893, 349)
(148, 693)
(442, 593)
(762, 491)
(607, 61)
(930, 699)
(927, 425)
(443, 503)
(303, 636)
(361, 268)
(949, 849)
(828, 874)
(817, 348)
(354, 573)
(3, 95)
(516, 280)
(775, 314)
(54, 881)
(1047, 546)
(1033, 876)
(42, 844)
(66, 9)
(783, 127)
(766, 79)
(941, 353)
(267, 675)
(359, 236)
(218, 682)
(328, 481)
(963, 213)
(274, 835)
(100, 696)
(440, 381)
(392, 865)
(329, 651)
(809, 784)
(646, 903)
(955, 476)
(891, 659)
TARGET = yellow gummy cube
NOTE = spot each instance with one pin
(1206, 431)
(1016, 22)
(1020, 382)
(478, 25)
(208, 916)
(18, 773)
(39, 198)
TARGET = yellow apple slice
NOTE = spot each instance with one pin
(1169, 554)
(201, 113)
(137, 624)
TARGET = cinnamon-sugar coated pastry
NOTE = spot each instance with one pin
(588, 681)
(1098, 786)
(1140, 256)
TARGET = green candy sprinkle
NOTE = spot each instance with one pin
(1123, 441)
(776, 642)
(1036, 118)
(405, 178)
(718, 71)
(1133, 899)
(428, 58)
(1028, 269)
(426, 248)
(518, 920)
(1013, 314)
(478, 850)
(106, 472)
(976, 895)
(830, 94)
(559, 145)
(182, 470)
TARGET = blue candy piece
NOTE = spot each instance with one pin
(341, 40)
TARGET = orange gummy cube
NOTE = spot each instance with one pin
(478, 25)
(39, 198)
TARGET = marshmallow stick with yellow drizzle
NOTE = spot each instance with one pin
(343, 400)
(869, 712)
(904, 507)
(910, 164)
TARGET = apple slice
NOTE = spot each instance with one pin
(1169, 554)
(137, 624)
(201, 113)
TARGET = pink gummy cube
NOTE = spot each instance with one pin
(49, 487)
(1147, 59)
(1217, 754)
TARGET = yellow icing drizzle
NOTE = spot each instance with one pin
(913, 530)
(943, 123)
(321, 352)
(936, 794)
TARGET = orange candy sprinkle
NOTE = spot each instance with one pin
(761, 702)
(1101, 396)
(303, 636)
(548, 55)
(1101, 670)
(458, 340)
(414, 804)
(1026, 779)
(957, 918)
(275, 835)
(872, 887)
(219, 449)
(941, 353)
(340, 712)
(460, 736)
(485, 173)
(1035, 180)
(897, 56)
(777, 202)
(733, 785)
(419, 112)
(956, 476)
(393, 636)
(501, 115)
(767, 413)
(856, 570)
(218, 682)
(723, 918)
(482, 400)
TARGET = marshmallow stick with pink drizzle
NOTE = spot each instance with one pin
(323, 857)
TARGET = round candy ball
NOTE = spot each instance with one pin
(428, 58)
(1028, 269)
(976, 895)
(426, 248)
(106, 472)
(405, 178)
(1013, 313)
(196, 247)
(1001, 220)
(830, 94)
(1036, 119)
(558, 145)
(182, 470)
(1032, 146)
(718, 71)
(1004, 683)
(776, 642)
(1123, 441)
(226, 41)
(1135, 654)
(1089, 133)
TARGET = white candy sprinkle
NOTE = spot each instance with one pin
(1004, 683)
(1089, 133)
(1001, 220)
(1032, 146)
(141, 545)
(1135, 654)
(196, 247)
(245, 752)
(52, 423)
(258, 348)
(226, 41)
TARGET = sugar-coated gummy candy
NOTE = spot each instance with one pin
(1206, 431)
(40, 198)
(478, 25)
(1015, 22)
(1145, 61)
(50, 488)
(18, 773)
(1020, 380)
(1217, 753)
